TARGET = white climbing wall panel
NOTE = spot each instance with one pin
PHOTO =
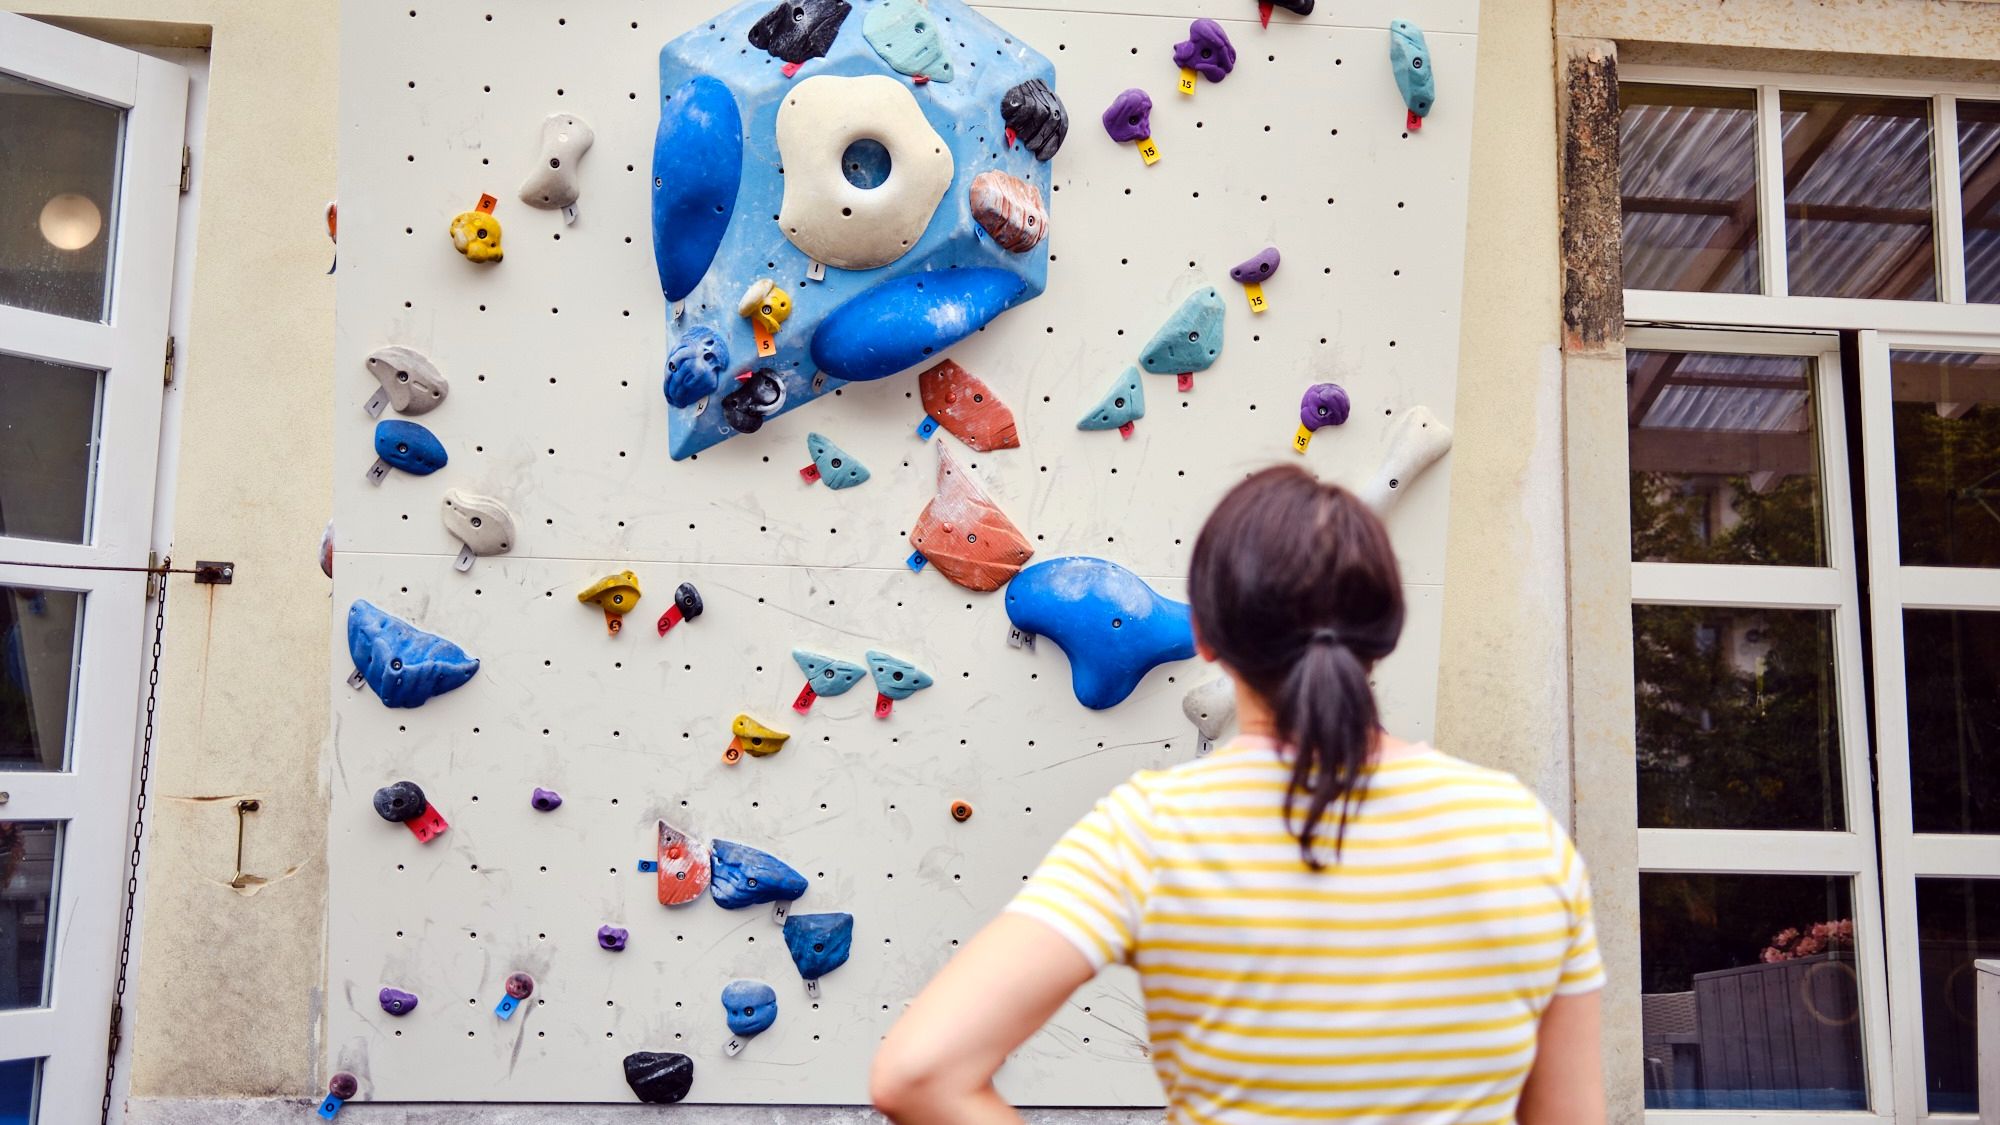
(555, 358)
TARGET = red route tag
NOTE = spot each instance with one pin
(804, 702)
(1125, 431)
(883, 705)
(1185, 381)
(670, 618)
(810, 474)
(426, 825)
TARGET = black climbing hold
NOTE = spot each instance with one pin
(1298, 7)
(754, 400)
(400, 802)
(689, 599)
(659, 1077)
(797, 30)
(1037, 116)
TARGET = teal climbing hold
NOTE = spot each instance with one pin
(836, 466)
(1190, 340)
(826, 675)
(1122, 405)
(894, 678)
(906, 35)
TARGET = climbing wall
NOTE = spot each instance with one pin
(555, 359)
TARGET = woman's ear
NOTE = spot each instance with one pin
(1201, 647)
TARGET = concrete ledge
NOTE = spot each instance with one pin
(291, 1111)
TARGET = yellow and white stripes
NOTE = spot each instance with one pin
(1402, 983)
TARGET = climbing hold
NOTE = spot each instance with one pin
(744, 876)
(519, 987)
(1129, 117)
(832, 464)
(400, 802)
(476, 233)
(1189, 341)
(750, 1006)
(906, 35)
(824, 212)
(545, 800)
(1113, 627)
(659, 1077)
(894, 679)
(1122, 406)
(759, 397)
(683, 865)
(695, 366)
(686, 607)
(1324, 404)
(1416, 441)
(1258, 267)
(338, 1090)
(1010, 210)
(410, 381)
(1036, 117)
(1206, 51)
(481, 523)
(615, 594)
(697, 169)
(825, 676)
(765, 305)
(1410, 57)
(611, 938)
(970, 539)
(961, 812)
(406, 446)
(965, 405)
(405, 665)
(754, 738)
(326, 550)
(819, 944)
(1296, 7)
(1211, 707)
(902, 322)
(797, 30)
(396, 1002)
(552, 185)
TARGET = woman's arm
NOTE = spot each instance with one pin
(1566, 1085)
(938, 1062)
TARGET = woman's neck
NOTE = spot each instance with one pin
(1255, 721)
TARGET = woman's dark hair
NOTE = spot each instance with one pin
(1294, 585)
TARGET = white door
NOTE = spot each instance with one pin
(90, 164)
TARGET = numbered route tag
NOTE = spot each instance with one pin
(569, 215)
(1125, 431)
(330, 1107)
(767, 344)
(1184, 381)
(927, 427)
(1148, 151)
(810, 474)
(1301, 439)
(1255, 292)
(426, 825)
(1187, 81)
(377, 402)
(916, 561)
(815, 271)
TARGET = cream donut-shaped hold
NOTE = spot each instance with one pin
(831, 219)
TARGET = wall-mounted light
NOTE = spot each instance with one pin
(70, 221)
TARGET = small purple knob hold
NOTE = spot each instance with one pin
(520, 985)
(611, 938)
(396, 1002)
(546, 800)
(1324, 404)
(1206, 50)
(1130, 117)
(1257, 269)
(343, 1086)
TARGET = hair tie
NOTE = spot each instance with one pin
(1327, 637)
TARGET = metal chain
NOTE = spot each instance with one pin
(138, 836)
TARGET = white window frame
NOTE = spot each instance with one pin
(1835, 587)
(91, 797)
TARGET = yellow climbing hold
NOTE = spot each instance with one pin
(754, 738)
(765, 305)
(616, 594)
(477, 236)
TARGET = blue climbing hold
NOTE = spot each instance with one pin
(740, 876)
(908, 320)
(697, 167)
(1410, 58)
(897, 679)
(836, 466)
(1123, 404)
(409, 447)
(1190, 340)
(696, 365)
(906, 35)
(750, 1006)
(827, 676)
(819, 942)
(1113, 627)
(405, 665)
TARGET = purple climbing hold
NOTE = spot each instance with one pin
(1257, 269)
(1206, 50)
(1324, 404)
(611, 938)
(343, 1086)
(1130, 116)
(545, 800)
(396, 1002)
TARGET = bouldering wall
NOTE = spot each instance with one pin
(551, 335)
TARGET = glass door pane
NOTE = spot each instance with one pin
(57, 214)
(1951, 671)
(30, 854)
(20, 1080)
(1947, 440)
(1979, 189)
(1859, 217)
(48, 448)
(41, 632)
(1958, 922)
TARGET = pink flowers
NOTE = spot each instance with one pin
(1790, 944)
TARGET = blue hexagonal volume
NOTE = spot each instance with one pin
(811, 201)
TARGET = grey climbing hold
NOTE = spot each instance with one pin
(411, 382)
(552, 185)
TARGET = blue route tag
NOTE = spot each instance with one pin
(649, 865)
(916, 561)
(927, 427)
(505, 1009)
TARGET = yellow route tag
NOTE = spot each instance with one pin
(1255, 292)
(1301, 439)
(1148, 151)
(1187, 80)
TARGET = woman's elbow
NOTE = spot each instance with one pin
(896, 1082)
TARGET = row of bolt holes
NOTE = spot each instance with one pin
(677, 1035)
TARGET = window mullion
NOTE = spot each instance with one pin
(1771, 194)
(1950, 207)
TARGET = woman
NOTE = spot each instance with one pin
(1327, 920)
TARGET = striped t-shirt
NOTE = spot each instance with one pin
(1402, 983)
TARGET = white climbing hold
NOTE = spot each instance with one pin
(482, 523)
(411, 382)
(1416, 441)
(832, 219)
(552, 185)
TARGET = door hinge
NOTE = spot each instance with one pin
(187, 162)
(169, 381)
(153, 574)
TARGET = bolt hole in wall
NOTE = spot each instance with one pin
(860, 806)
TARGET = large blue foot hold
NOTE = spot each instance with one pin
(819, 942)
(826, 675)
(750, 1006)
(659, 1077)
(741, 876)
(405, 665)
(409, 447)
(1113, 627)
(1190, 340)
(697, 166)
(910, 320)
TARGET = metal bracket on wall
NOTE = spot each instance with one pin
(214, 573)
